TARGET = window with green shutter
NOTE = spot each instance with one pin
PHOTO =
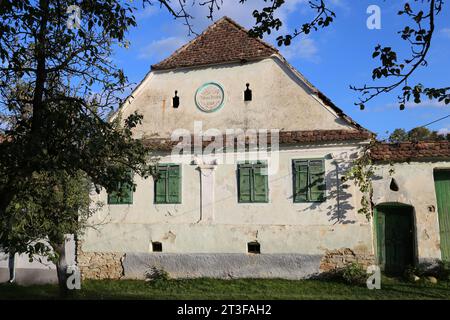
(253, 183)
(309, 180)
(123, 195)
(168, 184)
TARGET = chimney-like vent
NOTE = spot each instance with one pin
(248, 93)
(176, 100)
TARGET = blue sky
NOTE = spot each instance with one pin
(331, 59)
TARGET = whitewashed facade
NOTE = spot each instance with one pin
(211, 223)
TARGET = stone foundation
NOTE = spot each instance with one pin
(107, 265)
(336, 259)
(100, 265)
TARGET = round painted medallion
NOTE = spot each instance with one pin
(209, 97)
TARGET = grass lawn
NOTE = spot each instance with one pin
(232, 289)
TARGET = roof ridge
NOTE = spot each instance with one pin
(246, 31)
(191, 43)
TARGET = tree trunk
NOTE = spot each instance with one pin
(61, 267)
(41, 71)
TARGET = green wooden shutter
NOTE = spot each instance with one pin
(301, 181)
(174, 184)
(245, 183)
(316, 180)
(260, 183)
(168, 184)
(160, 185)
(442, 186)
(124, 195)
(127, 194)
(112, 198)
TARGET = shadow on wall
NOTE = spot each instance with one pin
(338, 198)
(342, 206)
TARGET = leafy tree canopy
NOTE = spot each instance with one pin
(57, 86)
(416, 134)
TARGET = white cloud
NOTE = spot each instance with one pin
(304, 48)
(146, 12)
(446, 32)
(162, 48)
(444, 131)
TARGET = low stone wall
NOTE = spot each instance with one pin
(335, 259)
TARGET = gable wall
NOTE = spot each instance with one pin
(280, 100)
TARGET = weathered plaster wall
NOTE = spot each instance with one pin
(280, 226)
(40, 270)
(416, 188)
(280, 100)
(210, 221)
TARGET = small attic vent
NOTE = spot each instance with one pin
(393, 186)
(248, 93)
(176, 100)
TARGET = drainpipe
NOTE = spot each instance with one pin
(12, 267)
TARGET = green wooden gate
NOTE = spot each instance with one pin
(395, 237)
(442, 186)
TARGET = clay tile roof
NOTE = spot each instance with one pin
(285, 138)
(224, 41)
(409, 151)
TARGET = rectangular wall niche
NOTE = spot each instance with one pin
(157, 246)
(254, 247)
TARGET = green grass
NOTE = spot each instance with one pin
(232, 289)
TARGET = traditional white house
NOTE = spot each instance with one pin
(256, 190)
(235, 211)
(223, 214)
